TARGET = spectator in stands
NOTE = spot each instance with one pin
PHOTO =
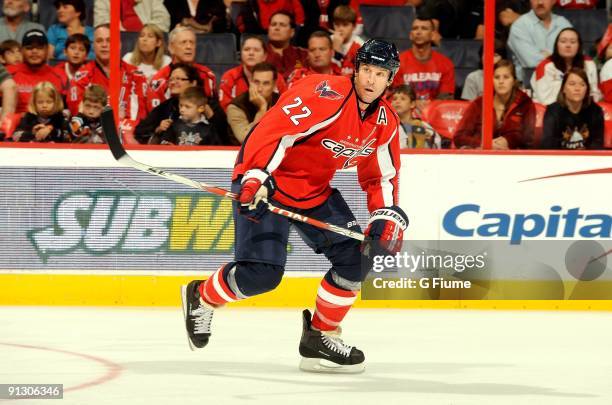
(414, 132)
(567, 53)
(431, 74)
(320, 55)
(319, 15)
(10, 52)
(248, 108)
(181, 77)
(577, 4)
(236, 80)
(507, 12)
(575, 121)
(34, 68)
(70, 17)
(132, 94)
(267, 9)
(182, 47)
(86, 126)
(8, 89)
(346, 42)
(76, 49)
(532, 36)
(44, 121)
(203, 16)
(93, 72)
(474, 82)
(514, 114)
(192, 128)
(14, 24)
(281, 53)
(453, 18)
(606, 73)
(134, 14)
(149, 54)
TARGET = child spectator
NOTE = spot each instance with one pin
(414, 132)
(10, 52)
(44, 121)
(567, 53)
(192, 128)
(70, 17)
(86, 127)
(346, 43)
(574, 121)
(76, 50)
(513, 112)
(149, 54)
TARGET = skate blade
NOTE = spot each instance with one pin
(325, 366)
(184, 305)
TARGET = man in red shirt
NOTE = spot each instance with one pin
(281, 53)
(95, 72)
(267, 8)
(236, 81)
(321, 125)
(34, 69)
(182, 48)
(431, 74)
(320, 55)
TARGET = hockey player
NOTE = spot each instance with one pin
(339, 123)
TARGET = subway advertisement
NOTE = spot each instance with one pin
(541, 224)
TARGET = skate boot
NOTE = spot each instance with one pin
(198, 315)
(324, 352)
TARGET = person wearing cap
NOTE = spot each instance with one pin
(70, 16)
(34, 68)
(14, 24)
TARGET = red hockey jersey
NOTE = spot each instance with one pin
(430, 78)
(132, 95)
(577, 4)
(90, 73)
(27, 78)
(316, 129)
(234, 82)
(300, 73)
(158, 87)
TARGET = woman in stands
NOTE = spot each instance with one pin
(182, 76)
(149, 54)
(575, 121)
(605, 56)
(70, 17)
(235, 81)
(514, 114)
(567, 54)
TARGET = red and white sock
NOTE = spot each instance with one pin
(215, 290)
(332, 305)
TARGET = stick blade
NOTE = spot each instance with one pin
(111, 133)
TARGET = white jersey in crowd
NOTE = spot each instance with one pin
(546, 81)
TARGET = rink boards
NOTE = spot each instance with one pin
(78, 229)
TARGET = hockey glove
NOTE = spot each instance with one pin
(385, 231)
(256, 187)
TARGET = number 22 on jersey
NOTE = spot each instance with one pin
(296, 117)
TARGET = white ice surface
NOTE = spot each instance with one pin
(413, 357)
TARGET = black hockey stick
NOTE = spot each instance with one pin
(112, 138)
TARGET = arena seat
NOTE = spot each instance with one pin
(463, 52)
(220, 68)
(126, 129)
(9, 124)
(444, 115)
(527, 74)
(539, 123)
(591, 24)
(607, 108)
(387, 21)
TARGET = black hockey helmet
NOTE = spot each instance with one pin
(379, 53)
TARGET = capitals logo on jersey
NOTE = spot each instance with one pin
(342, 150)
(327, 92)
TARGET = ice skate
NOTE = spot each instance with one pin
(198, 315)
(324, 352)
